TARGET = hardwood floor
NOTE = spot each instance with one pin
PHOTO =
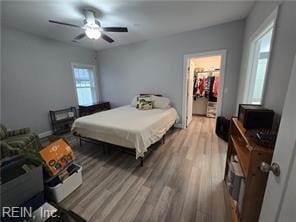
(182, 180)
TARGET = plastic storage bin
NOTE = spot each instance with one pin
(17, 185)
(58, 192)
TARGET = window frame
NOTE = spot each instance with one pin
(269, 22)
(95, 83)
(255, 61)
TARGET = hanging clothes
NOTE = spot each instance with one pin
(195, 86)
(209, 89)
(216, 86)
(206, 85)
(201, 86)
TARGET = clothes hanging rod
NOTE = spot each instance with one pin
(217, 70)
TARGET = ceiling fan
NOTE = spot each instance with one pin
(92, 28)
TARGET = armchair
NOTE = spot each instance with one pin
(13, 142)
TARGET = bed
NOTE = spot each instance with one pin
(127, 127)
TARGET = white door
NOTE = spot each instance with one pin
(280, 195)
(190, 73)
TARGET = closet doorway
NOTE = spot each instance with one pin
(203, 84)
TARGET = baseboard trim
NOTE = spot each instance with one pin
(45, 134)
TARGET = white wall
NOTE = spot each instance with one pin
(283, 51)
(207, 62)
(0, 70)
(36, 77)
(156, 66)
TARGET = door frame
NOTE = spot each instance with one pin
(187, 57)
(190, 75)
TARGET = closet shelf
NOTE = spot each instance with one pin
(208, 71)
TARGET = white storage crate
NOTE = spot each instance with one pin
(62, 190)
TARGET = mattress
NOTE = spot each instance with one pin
(127, 126)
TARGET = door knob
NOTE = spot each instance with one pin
(274, 168)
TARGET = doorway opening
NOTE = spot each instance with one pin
(203, 85)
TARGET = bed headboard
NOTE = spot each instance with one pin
(148, 94)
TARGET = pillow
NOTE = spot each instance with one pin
(144, 102)
(160, 102)
(135, 101)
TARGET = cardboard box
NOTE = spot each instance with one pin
(57, 156)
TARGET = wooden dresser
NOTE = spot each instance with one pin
(250, 156)
(93, 108)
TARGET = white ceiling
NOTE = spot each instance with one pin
(144, 19)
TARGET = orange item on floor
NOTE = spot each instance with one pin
(57, 156)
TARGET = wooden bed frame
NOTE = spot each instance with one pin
(127, 150)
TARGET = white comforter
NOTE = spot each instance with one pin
(127, 126)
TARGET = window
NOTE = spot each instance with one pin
(84, 78)
(259, 58)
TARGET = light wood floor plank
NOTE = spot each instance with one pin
(116, 214)
(190, 203)
(182, 180)
(112, 202)
(162, 205)
(132, 211)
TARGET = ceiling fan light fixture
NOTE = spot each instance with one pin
(92, 28)
(93, 33)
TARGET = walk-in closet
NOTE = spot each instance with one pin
(206, 85)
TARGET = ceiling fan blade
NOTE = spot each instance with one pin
(63, 23)
(115, 29)
(107, 38)
(80, 36)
